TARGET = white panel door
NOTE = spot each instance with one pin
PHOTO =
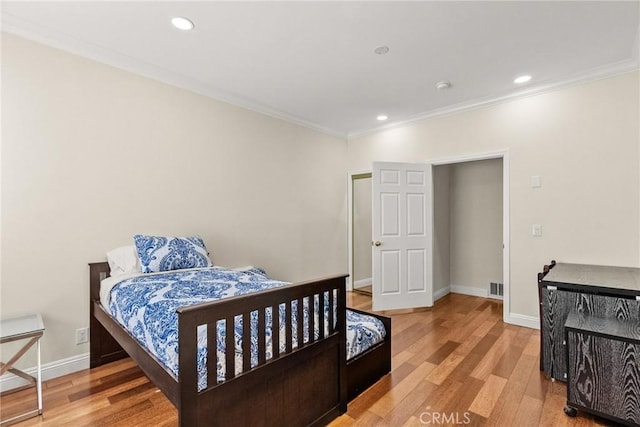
(402, 236)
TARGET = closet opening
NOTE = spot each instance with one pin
(469, 254)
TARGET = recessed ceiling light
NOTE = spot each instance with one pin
(522, 79)
(443, 85)
(382, 117)
(182, 23)
(381, 50)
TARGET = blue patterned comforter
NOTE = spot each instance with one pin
(146, 306)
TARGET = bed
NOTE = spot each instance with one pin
(308, 382)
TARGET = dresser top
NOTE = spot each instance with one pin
(595, 275)
(610, 327)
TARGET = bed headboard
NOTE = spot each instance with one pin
(97, 272)
(102, 347)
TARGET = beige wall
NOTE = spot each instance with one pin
(92, 155)
(582, 140)
(362, 230)
(441, 230)
(476, 223)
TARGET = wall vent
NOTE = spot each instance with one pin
(496, 290)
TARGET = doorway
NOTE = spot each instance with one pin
(467, 243)
(361, 228)
(500, 248)
(504, 156)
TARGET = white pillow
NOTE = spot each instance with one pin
(123, 260)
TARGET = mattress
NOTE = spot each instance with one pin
(145, 305)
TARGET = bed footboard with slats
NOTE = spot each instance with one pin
(308, 378)
(302, 383)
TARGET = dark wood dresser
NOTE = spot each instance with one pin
(603, 367)
(600, 307)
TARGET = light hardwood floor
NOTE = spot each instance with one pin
(455, 364)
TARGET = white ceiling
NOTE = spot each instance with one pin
(313, 62)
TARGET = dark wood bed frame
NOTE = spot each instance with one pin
(308, 385)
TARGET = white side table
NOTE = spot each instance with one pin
(27, 327)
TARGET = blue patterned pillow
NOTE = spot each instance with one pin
(170, 253)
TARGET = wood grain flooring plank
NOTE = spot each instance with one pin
(483, 305)
(522, 372)
(508, 361)
(529, 412)
(343, 421)
(108, 382)
(448, 365)
(504, 367)
(538, 386)
(400, 358)
(458, 406)
(464, 368)
(485, 344)
(504, 411)
(469, 325)
(493, 355)
(413, 421)
(404, 321)
(426, 346)
(447, 393)
(369, 419)
(408, 337)
(454, 320)
(443, 352)
(124, 415)
(464, 303)
(421, 394)
(387, 402)
(533, 345)
(507, 406)
(552, 411)
(364, 401)
(127, 394)
(485, 327)
(489, 394)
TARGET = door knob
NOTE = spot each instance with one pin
(377, 243)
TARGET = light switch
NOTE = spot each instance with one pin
(535, 181)
(536, 230)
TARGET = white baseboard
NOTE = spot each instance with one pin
(50, 370)
(468, 290)
(363, 282)
(522, 320)
(441, 293)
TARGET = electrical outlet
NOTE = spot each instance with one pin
(82, 335)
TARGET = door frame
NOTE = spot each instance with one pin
(506, 258)
(351, 177)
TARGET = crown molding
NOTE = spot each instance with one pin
(599, 73)
(19, 27)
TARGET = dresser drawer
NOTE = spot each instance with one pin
(603, 369)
